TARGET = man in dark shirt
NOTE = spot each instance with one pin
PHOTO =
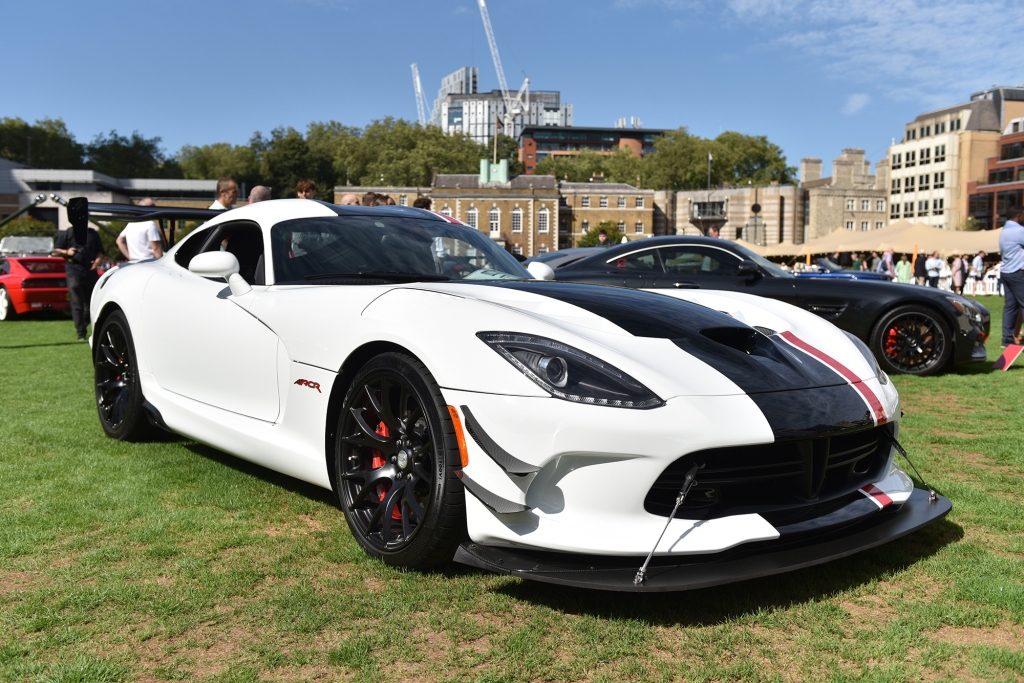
(81, 261)
(920, 269)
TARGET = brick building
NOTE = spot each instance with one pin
(539, 142)
(1003, 185)
(587, 205)
(850, 198)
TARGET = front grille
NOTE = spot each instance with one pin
(43, 283)
(771, 478)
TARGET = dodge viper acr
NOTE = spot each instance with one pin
(459, 409)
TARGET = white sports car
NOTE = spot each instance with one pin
(460, 409)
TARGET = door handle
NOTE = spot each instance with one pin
(686, 285)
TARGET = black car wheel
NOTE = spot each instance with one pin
(395, 459)
(119, 399)
(7, 311)
(911, 340)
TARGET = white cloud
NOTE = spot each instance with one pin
(855, 102)
(935, 51)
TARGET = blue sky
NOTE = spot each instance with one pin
(815, 76)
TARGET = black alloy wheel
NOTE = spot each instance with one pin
(394, 464)
(911, 340)
(119, 398)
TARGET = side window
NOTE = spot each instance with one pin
(244, 239)
(191, 246)
(5, 267)
(644, 261)
(694, 260)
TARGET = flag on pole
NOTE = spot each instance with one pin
(500, 126)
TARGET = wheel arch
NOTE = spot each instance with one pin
(353, 362)
(108, 308)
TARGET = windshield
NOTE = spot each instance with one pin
(26, 245)
(765, 264)
(395, 247)
(825, 264)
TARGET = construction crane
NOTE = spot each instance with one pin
(421, 105)
(514, 106)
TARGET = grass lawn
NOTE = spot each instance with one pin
(173, 561)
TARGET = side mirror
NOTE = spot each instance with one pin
(222, 265)
(541, 271)
(749, 268)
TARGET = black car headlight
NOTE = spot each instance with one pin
(966, 307)
(869, 357)
(570, 374)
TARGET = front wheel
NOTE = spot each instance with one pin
(911, 340)
(7, 311)
(395, 460)
(119, 398)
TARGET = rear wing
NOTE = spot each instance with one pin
(167, 217)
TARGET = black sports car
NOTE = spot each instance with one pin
(910, 329)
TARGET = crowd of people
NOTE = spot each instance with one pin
(927, 269)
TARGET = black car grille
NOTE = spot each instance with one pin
(773, 478)
(43, 283)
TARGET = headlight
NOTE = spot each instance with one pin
(570, 374)
(869, 357)
(966, 307)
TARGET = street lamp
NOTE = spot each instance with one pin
(39, 199)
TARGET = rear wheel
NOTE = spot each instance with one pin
(395, 459)
(7, 311)
(119, 398)
(911, 340)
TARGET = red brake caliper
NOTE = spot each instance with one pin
(890, 341)
(377, 463)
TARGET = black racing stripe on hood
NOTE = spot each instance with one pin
(756, 363)
(810, 412)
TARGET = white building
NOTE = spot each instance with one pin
(478, 114)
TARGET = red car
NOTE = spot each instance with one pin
(30, 283)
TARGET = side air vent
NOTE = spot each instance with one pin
(827, 311)
(740, 338)
(766, 331)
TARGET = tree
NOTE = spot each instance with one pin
(750, 158)
(130, 157)
(50, 142)
(220, 160)
(29, 226)
(591, 238)
(508, 148)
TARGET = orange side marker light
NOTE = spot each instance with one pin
(460, 436)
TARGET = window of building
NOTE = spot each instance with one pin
(494, 219)
(517, 220)
(402, 200)
(878, 225)
(897, 160)
(911, 159)
(542, 220)
(585, 202)
(603, 202)
(926, 156)
(850, 204)
(937, 206)
(922, 208)
(1000, 175)
(958, 124)
(542, 249)
(849, 225)
(908, 209)
(622, 226)
(894, 211)
(922, 182)
(864, 226)
(1020, 173)
(639, 227)
(940, 128)
(879, 205)
(939, 180)
(622, 202)
(639, 202)
(446, 211)
(1014, 151)
(517, 250)
(940, 153)
(585, 227)
(470, 216)
(895, 185)
(908, 184)
(865, 205)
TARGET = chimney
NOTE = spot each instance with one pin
(810, 169)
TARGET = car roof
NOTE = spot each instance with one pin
(654, 242)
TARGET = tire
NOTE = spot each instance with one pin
(7, 311)
(912, 340)
(119, 399)
(395, 459)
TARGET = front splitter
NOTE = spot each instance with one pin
(677, 573)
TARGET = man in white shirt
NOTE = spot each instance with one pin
(141, 240)
(934, 266)
(227, 195)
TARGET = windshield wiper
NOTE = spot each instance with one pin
(381, 275)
